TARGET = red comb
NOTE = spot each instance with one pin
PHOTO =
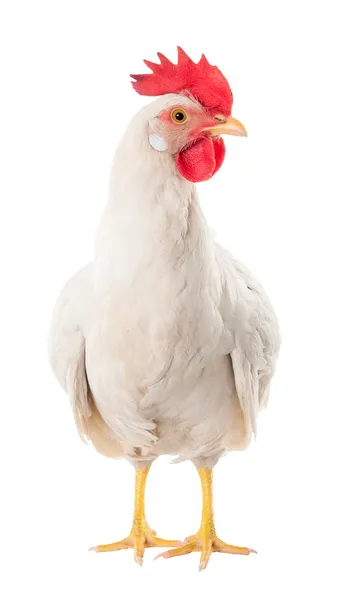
(202, 80)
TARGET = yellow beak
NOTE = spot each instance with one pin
(229, 126)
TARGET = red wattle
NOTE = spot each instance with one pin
(201, 160)
(219, 152)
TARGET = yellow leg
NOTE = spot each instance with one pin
(141, 536)
(205, 540)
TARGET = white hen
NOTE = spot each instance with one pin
(165, 344)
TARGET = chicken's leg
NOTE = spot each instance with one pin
(141, 536)
(205, 540)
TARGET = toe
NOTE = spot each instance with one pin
(220, 546)
(160, 543)
(205, 554)
(181, 551)
(139, 550)
(122, 545)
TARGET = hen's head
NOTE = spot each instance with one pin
(194, 114)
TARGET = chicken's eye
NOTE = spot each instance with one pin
(178, 115)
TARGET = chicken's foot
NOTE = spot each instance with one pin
(141, 535)
(205, 540)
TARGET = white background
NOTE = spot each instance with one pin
(279, 203)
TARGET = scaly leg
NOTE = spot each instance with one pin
(141, 536)
(205, 540)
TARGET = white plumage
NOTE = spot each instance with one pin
(164, 343)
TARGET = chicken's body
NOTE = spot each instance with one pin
(164, 343)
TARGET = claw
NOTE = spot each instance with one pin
(202, 566)
(139, 560)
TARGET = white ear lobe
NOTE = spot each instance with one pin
(157, 142)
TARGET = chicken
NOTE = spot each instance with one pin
(165, 344)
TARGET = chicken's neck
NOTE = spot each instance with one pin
(153, 223)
